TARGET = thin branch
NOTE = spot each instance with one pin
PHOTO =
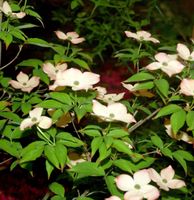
(139, 123)
(9, 63)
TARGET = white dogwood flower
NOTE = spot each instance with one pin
(113, 198)
(167, 63)
(187, 87)
(138, 187)
(6, 9)
(36, 118)
(179, 136)
(76, 79)
(184, 52)
(52, 70)
(112, 112)
(73, 37)
(165, 180)
(24, 83)
(141, 36)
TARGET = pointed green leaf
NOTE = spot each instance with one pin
(142, 76)
(177, 120)
(190, 120)
(163, 86)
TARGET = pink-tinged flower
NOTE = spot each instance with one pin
(24, 83)
(36, 118)
(187, 87)
(167, 63)
(138, 187)
(112, 112)
(165, 179)
(180, 136)
(130, 87)
(184, 52)
(6, 9)
(113, 198)
(101, 91)
(73, 37)
(108, 98)
(141, 36)
(52, 70)
(76, 79)
(111, 98)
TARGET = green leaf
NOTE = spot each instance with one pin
(32, 151)
(144, 86)
(62, 97)
(51, 104)
(185, 154)
(181, 160)
(85, 169)
(125, 165)
(31, 63)
(57, 188)
(142, 76)
(120, 146)
(167, 110)
(26, 107)
(167, 152)
(118, 133)
(177, 120)
(147, 162)
(156, 140)
(49, 168)
(103, 152)
(38, 42)
(57, 197)
(163, 86)
(12, 148)
(91, 132)
(95, 144)
(81, 63)
(50, 154)
(69, 140)
(61, 153)
(110, 183)
(42, 75)
(190, 120)
(11, 116)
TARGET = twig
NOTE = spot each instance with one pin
(139, 123)
(9, 63)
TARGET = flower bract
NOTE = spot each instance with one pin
(137, 187)
(141, 36)
(184, 52)
(35, 117)
(112, 112)
(24, 83)
(165, 180)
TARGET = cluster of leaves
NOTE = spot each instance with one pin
(81, 152)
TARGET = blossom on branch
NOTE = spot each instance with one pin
(187, 87)
(36, 118)
(167, 63)
(184, 52)
(6, 9)
(52, 70)
(112, 112)
(138, 187)
(165, 180)
(24, 83)
(76, 79)
(73, 37)
(141, 36)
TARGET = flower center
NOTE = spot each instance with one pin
(165, 64)
(164, 180)
(189, 58)
(111, 115)
(24, 84)
(137, 186)
(34, 119)
(141, 38)
(76, 82)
